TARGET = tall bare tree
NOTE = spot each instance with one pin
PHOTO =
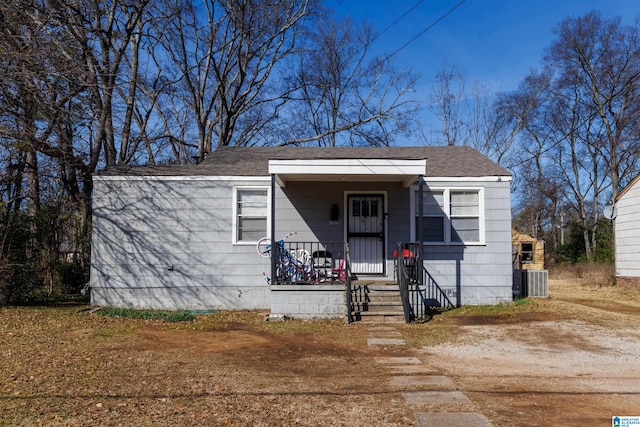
(448, 103)
(62, 78)
(476, 116)
(223, 55)
(601, 59)
(342, 94)
(586, 115)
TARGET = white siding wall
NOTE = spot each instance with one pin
(627, 227)
(477, 274)
(167, 243)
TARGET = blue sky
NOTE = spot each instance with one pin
(496, 42)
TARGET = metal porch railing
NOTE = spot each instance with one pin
(421, 295)
(310, 262)
(314, 263)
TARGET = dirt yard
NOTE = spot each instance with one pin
(572, 359)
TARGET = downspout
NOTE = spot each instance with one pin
(274, 246)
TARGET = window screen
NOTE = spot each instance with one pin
(465, 216)
(433, 221)
(251, 215)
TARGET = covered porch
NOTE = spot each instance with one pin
(366, 208)
(411, 295)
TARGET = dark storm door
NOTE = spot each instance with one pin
(365, 233)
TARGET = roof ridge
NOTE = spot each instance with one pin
(445, 161)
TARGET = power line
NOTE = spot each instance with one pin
(396, 21)
(434, 23)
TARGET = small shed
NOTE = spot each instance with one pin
(528, 252)
(530, 279)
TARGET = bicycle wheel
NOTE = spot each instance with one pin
(283, 257)
(283, 274)
(264, 247)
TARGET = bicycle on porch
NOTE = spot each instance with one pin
(292, 266)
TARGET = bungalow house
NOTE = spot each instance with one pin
(627, 233)
(185, 237)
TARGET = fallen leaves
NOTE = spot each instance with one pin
(230, 368)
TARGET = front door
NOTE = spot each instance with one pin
(365, 233)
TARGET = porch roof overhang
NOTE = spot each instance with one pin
(406, 171)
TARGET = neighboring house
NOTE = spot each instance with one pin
(184, 237)
(627, 233)
(528, 252)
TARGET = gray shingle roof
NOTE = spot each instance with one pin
(455, 161)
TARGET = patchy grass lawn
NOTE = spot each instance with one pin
(59, 366)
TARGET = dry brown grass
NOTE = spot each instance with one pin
(594, 273)
(59, 367)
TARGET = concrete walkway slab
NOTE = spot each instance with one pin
(385, 341)
(381, 328)
(384, 334)
(439, 419)
(430, 380)
(434, 397)
(410, 369)
(398, 360)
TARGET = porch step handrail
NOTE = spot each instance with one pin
(432, 293)
(347, 266)
(421, 295)
(405, 296)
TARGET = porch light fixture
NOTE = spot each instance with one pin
(335, 212)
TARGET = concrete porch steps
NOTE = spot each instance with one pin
(378, 303)
(381, 317)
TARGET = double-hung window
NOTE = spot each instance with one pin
(434, 218)
(450, 216)
(464, 211)
(251, 213)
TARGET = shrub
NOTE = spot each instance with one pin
(72, 276)
(574, 249)
(24, 284)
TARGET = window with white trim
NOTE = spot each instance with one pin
(251, 214)
(450, 216)
(465, 216)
